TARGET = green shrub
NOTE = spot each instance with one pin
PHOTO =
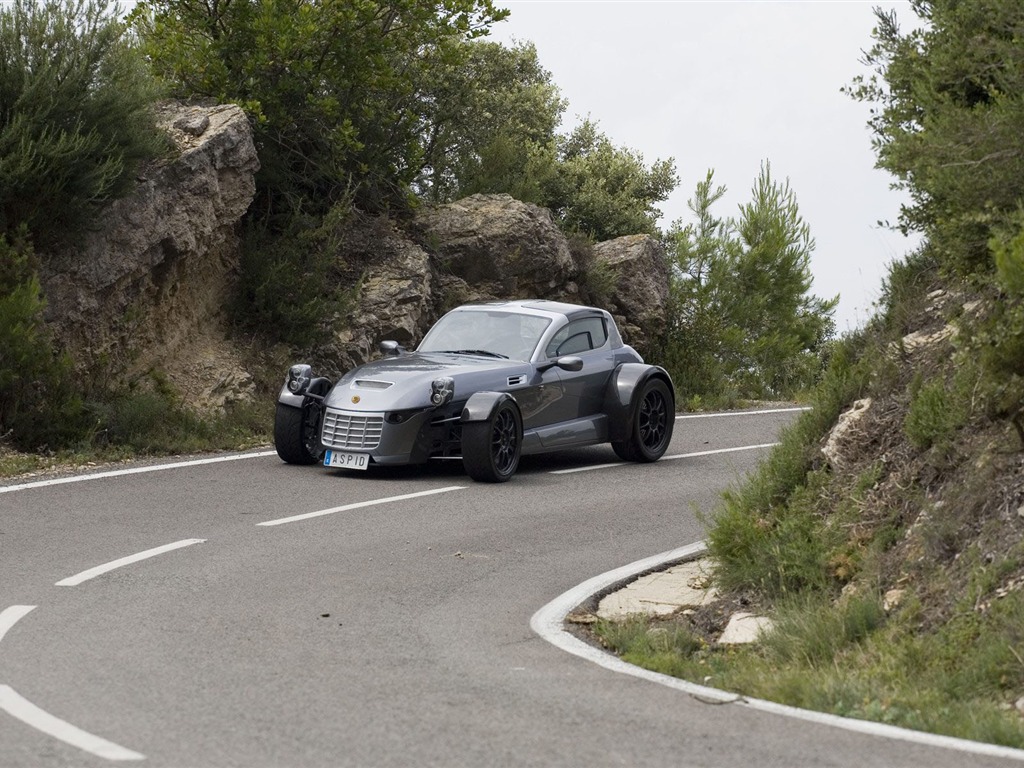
(934, 415)
(74, 114)
(1008, 253)
(904, 289)
(38, 405)
(153, 421)
(768, 534)
(289, 287)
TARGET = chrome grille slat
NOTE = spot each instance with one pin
(350, 431)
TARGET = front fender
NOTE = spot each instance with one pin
(318, 386)
(620, 402)
(481, 405)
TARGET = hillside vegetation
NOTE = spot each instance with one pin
(893, 561)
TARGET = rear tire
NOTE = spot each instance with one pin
(295, 433)
(491, 448)
(653, 420)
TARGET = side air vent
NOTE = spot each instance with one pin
(515, 381)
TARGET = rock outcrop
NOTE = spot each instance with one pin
(848, 430)
(153, 275)
(500, 246)
(396, 300)
(639, 299)
(488, 248)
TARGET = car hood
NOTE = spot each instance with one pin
(403, 382)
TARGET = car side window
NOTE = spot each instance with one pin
(578, 336)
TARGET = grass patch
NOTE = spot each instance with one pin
(848, 658)
(768, 534)
(136, 424)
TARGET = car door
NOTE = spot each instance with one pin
(540, 395)
(584, 390)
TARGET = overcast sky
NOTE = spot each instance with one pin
(727, 85)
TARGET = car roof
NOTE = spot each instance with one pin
(537, 305)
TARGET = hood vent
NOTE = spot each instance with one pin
(371, 384)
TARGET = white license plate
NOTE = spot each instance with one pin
(346, 460)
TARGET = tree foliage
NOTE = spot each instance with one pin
(744, 320)
(340, 90)
(491, 113)
(605, 191)
(367, 101)
(74, 113)
(38, 405)
(949, 120)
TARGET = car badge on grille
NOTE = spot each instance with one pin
(355, 399)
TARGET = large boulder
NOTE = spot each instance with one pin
(153, 274)
(499, 246)
(639, 297)
(485, 248)
(395, 301)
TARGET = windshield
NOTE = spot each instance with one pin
(492, 333)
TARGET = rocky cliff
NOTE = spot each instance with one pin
(146, 290)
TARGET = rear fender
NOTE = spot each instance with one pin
(620, 401)
(481, 405)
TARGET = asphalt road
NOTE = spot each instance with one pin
(386, 632)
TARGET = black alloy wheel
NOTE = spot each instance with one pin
(652, 421)
(491, 449)
(652, 424)
(296, 433)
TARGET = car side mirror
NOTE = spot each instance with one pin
(390, 348)
(567, 363)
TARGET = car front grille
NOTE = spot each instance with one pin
(352, 431)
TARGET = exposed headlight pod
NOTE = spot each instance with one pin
(442, 391)
(298, 379)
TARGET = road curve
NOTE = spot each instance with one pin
(250, 613)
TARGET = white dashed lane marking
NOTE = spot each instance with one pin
(99, 570)
(666, 458)
(24, 710)
(360, 505)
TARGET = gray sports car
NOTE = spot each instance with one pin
(489, 383)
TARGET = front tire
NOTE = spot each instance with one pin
(652, 423)
(491, 448)
(295, 433)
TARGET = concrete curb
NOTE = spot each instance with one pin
(548, 622)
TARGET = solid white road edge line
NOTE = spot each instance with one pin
(665, 458)
(74, 581)
(360, 504)
(548, 623)
(132, 471)
(727, 414)
(11, 616)
(24, 710)
(717, 451)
